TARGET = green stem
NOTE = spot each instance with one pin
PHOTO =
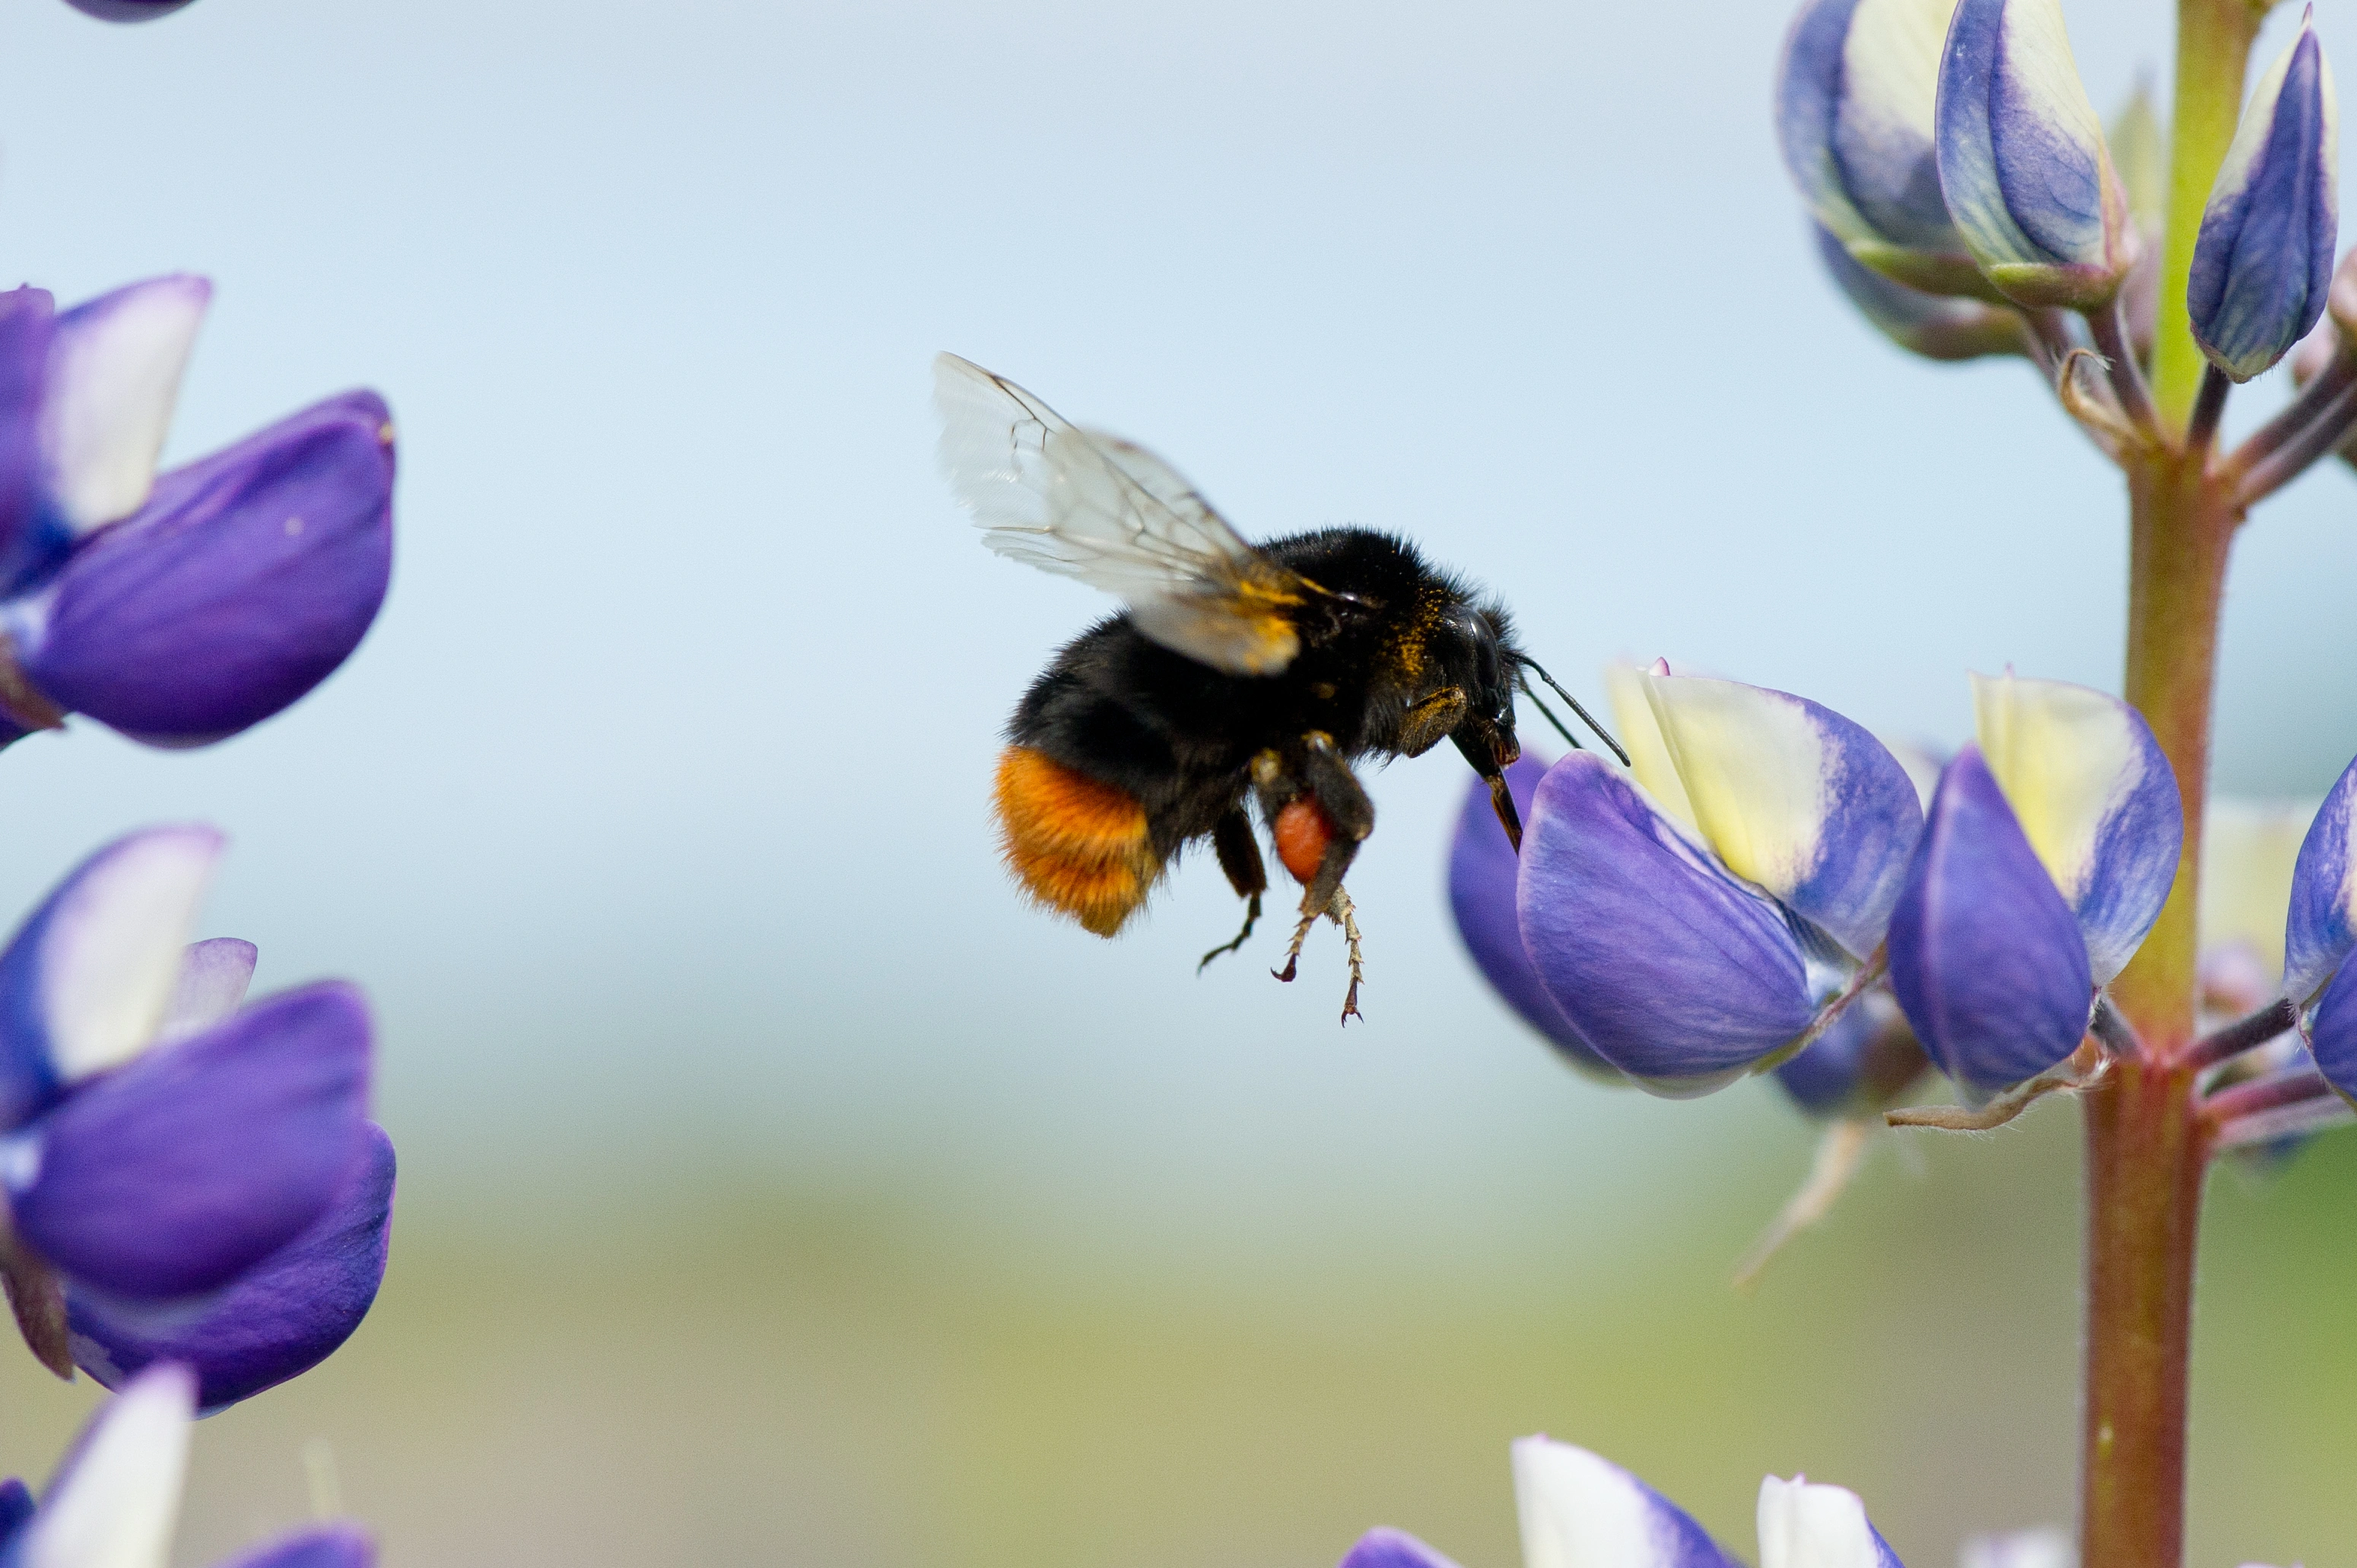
(2145, 1151)
(2213, 52)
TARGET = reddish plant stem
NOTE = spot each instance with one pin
(2145, 1150)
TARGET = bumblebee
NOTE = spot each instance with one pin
(1238, 676)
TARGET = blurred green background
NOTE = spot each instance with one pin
(776, 1188)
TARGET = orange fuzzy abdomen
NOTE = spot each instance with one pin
(1077, 845)
(1302, 834)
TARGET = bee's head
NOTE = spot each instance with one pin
(1475, 649)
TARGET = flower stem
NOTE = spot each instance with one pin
(2146, 1150)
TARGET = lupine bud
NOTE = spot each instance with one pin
(1934, 327)
(1581, 1511)
(1482, 867)
(2047, 854)
(2262, 262)
(2319, 933)
(279, 1319)
(1806, 1526)
(2022, 161)
(1854, 99)
(1393, 1548)
(126, 10)
(1689, 944)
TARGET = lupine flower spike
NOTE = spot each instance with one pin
(115, 1501)
(2047, 854)
(1578, 1511)
(1704, 919)
(183, 608)
(179, 1172)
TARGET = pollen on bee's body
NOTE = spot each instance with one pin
(1079, 846)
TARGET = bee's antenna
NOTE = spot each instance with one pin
(1522, 684)
(1588, 718)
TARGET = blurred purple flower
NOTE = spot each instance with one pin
(126, 10)
(181, 1173)
(183, 608)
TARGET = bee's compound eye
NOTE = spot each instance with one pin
(1302, 834)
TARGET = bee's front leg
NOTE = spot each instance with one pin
(1232, 840)
(1429, 723)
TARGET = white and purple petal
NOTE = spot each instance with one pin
(1385, 1548)
(1805, 1525)
(168, 1178)
(2095, 796)
(1673, 971)
(2022, 161)
(1794, 798)
(1986, 958)
(324, 1546)
(214, 975)
(247, 578)
(85, 982)
(2263, 261)
(1483, 870)
(1934, 326)
(30, 546)
(1578, 1511)
(114, 374)
(2321, 927)
(115, 1502)
(277, 1320)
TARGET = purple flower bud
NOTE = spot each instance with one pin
(1938, 328)
(1582, 1511)
(2022, 161)
(1483, 868)
(327, 1546)
(1986, 956)
(2263, 261)
(1381, 1548)
(126, 10)
(279, 1319)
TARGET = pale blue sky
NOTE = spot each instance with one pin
(653, 812)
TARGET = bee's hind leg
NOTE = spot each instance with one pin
(1346, 915)
(1293, 947)
(1232, 840)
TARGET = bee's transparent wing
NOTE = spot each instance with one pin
(1113, 515)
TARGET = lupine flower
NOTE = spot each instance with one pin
(2320, 933)
(2262, 262)
(1865, 1060)
(126, 10)
(157, 1140)
(115, 1500)
(1578, 1511)
(1690, 924)
(1854, 101)
(1933, 326)
(1481, 870)
(180, 609)
(2047, 854)
(2022, 161)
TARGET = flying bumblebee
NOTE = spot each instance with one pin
(1238, 673)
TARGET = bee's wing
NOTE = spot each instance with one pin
(1093, 507)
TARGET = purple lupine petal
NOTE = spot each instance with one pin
(1385, 1548)
(126, 10)
(114, 1500)
(1669, 968)
(171, 1175)
(85, 981)
(242, 583)
(277, 1320)
(2022, 161)
(2095, 796)
(1482, 867)
(1863, 1061)
(325, 1546)
(28, 323)
(1795, 798)
(1986, 958)
(214, 974)
(2332, 1031)
(16, 1507)
(2262, 262)
(1581, 1511)
(114, 374)
(1804, 1525)
(2321, 927)
(1934, 326)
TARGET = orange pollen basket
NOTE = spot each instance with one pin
(1077, 845)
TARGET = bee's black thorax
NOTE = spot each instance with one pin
(1387, 631)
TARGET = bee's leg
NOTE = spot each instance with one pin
(1336, 791)
(1293, 947)
(1429, 722)
(1347, 917)
(1232, 840)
